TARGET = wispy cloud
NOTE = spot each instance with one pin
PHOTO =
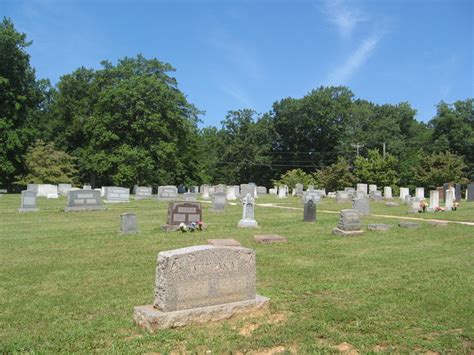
(241, 56)
(343, 15)
(356, 59)
(237, 93)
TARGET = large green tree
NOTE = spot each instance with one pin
(435, 169)
(46, 165)
(127, 123)
(376, 169)
(21, 97)
(453, 130)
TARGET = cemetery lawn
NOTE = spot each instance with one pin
(69, 282)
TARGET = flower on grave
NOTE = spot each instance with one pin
(200, 225)
(182, 227)
(192, 226)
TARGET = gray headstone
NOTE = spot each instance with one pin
(116, 194)
(445, 188)
(201, 276)
(128, 223)
(184, 212)
(349, 220)
(218, 201)
(64, 188)
(299, 189)
(343, 196)
(309, 214)
(28, 201)
(470, 192)
(441, 193)
(190, 196)
(361, 205)
(261, 190)
(32, 187)
(247, 189)
(143, 193)
(376, 195)
(83, 200)
(457, 193)
(167, 193)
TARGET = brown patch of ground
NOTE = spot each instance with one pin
(248, 329)
(346, 348)
(380, 348)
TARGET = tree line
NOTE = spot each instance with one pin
(129, 123)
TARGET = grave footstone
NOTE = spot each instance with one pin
(378, 227)
(391, 204)
(28, 201)
(248, 219)
(408, 225)
(182, 212)
(349, 224)
(128, 223)
(115, 194)
(227, 242)
(143, 193)
(309, 211)
(269, 239)
(83, 200)
(200, 284)
(167, 193)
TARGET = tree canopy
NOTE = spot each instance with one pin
(129, 123)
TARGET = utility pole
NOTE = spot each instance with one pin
(357, 146)
(384, 150)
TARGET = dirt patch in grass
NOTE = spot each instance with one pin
(346, 348)
(276, 318)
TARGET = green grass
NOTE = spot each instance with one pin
(69, 282)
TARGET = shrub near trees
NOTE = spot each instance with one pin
(128, 123)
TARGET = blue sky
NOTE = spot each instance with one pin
(248, 54)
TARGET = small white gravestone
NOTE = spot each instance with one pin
(248, 219)
(387, 192)
(28, 201)
(230, 193)
(362, 187)
(204, 192)
(282, 191)
(434, 200)
(45, 189)
(420, 193)
(449, 199)
(372, 187)
(404, 192)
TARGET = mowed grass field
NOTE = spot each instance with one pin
(69, 282)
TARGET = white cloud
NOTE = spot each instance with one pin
(357, 58)
(237, 93)
(344, 16)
